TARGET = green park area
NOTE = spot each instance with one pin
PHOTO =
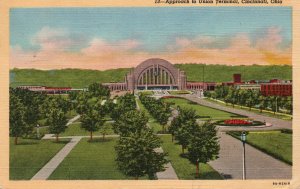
(203, 111)
(275, 143)
(183, 167)
(30, 155)
(90, 160)
(115, 157)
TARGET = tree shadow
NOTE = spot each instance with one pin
(99, 140)
(61, 142)
(23, 143)
(184, 155)
(210, 176)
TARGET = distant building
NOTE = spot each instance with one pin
(276, 89)
(249, 86)
(48, 90)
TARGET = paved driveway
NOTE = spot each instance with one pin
(258, 164)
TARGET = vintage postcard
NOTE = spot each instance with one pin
(157, 94)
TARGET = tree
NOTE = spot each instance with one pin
(93, 119)
(16, 118)
(203, 145)
(184, 125)
(57, 122)
(184, 133)
(104, 130)
(137, 155)
(174, 126)
(273, 103)
(164, 115)
(130, 122)
(289, 104)
(98, 90)
(125, 103)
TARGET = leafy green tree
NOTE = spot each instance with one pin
(164, 115)
(242, 97)
(17, 124)
(262, 103)
(184, 133)
(93, 119)
(183, 125)
(137, 155)
(289, 104)
(203, 145)
(159, 109)
(97, 90)
(125, 103)
(174, 126)
(130, 122)
(273, 103)
(57, 122)
(104, 130)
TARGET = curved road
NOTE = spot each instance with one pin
(276, 123)
(259, 165)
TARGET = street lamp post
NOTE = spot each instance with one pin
(243, 139)
(38, 131)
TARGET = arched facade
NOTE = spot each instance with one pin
(156, 73)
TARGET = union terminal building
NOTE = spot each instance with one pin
(155, 73)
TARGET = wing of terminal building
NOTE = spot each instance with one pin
(159, 74)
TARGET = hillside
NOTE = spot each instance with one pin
(221, 73)
(81, 78)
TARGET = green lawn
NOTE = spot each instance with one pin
(183, 168)
(152, 122)
(90, 161)
(29, 156)
(201, 110)
(146, 92)
(274, 143)
(75, 130)
(267, 113)
(179, 92)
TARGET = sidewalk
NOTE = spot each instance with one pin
(48, 169)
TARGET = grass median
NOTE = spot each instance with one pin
(183, 167)
(29, 156)
(275, 143)
(203, 111)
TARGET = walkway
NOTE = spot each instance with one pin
(258, 164)
(276, 123)
(48, 169)
(73, 120)
(169, 173)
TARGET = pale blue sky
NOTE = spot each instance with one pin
(155, 27)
